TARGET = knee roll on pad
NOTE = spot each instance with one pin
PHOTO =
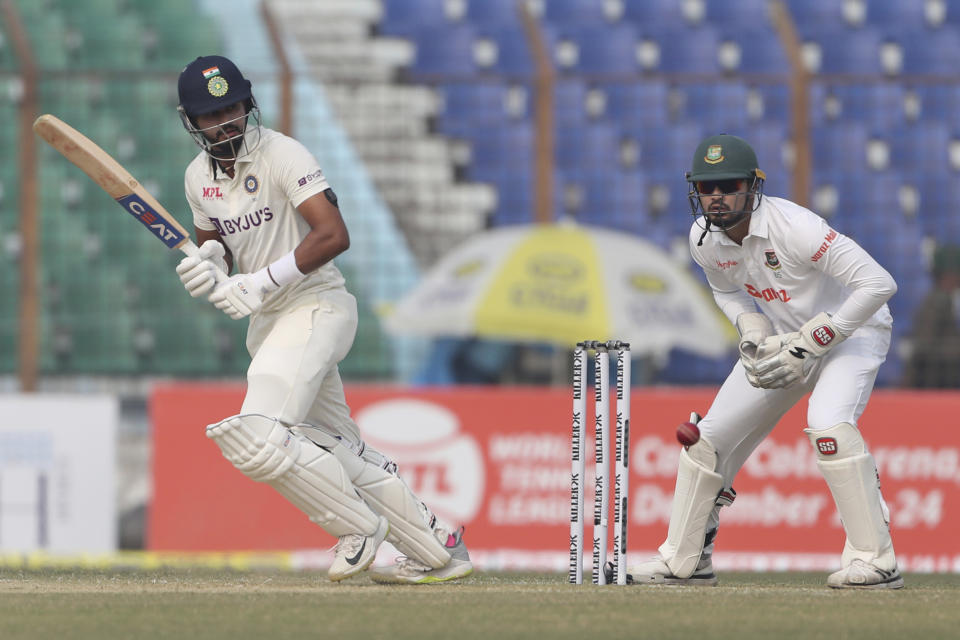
(694, 500)
(308, 476)
(854, 483)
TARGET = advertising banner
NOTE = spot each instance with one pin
(498, 461)
(57, 473)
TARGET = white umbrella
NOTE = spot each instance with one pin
(563, 284)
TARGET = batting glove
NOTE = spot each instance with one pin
(791, 355)
(240, 295)
(198, 272)
(754, 328)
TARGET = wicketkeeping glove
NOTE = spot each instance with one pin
(784, 359)
(198, 273)
(754, 328)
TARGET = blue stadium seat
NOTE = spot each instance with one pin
(760, 49)
(472, 105)
(815, 12)
(896, 14)
(569, 101)
(573, 12)
(742, 14)
(505, 149)
(688, 49)
(847, 50)
(637, 105)
(514, 57)
(444, 50)
(879, 106)
(602, 49)
(404, 17)
(721, 106)
(776, 101)
(920, 148)
(926, 51)
(496, 13)
(614, 199)
(586, 146)
(654, 14)
(840, 147)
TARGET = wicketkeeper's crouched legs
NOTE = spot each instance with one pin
(693, 522)
(868, 559)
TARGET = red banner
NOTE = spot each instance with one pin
(498, 461)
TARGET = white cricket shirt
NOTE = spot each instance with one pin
(255, 212)
(792, 266)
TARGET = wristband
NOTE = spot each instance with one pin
(279, 273)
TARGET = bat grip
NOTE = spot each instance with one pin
(191, 249)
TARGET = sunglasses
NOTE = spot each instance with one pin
(733, 185)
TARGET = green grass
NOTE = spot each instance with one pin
(272, 605)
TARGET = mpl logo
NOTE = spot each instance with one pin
(823, 335)
(212, 193)
(827, 446)
(444, 467)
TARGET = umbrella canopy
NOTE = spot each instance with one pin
(563, 284)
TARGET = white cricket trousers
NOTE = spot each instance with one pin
(293, 374)
(741, 415)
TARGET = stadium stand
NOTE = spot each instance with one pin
(437, 98)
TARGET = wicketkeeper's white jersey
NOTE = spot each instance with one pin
(255, 211)
(793, 265)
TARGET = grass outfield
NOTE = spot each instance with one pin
(273, 605)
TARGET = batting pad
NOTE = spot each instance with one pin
(694, 499)
(389, 495)
(851, 474)
(308, 476)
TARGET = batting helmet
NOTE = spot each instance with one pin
(210, 83)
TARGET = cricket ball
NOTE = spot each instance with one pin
(688, 434)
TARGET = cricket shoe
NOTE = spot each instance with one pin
(863, 575)
(355, 552)
(656, 571)
(409, 571)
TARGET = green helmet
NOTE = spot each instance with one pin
(722, 158)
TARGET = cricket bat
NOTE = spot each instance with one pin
(117, 181)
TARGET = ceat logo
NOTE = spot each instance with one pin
(212, 193)
(823, 335)
(827, 446)
(443, 467)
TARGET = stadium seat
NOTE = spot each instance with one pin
(760, 49)
(687, 49)
(846, 50)
(404, 17)
(930, 52)
(840, 147)
(495, 13)
(444, 51)
(637, 105)
(514, 58)
(717, 106)
(743, 14)
(574, 13)
(653, 15)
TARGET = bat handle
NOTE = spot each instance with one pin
(191, 249)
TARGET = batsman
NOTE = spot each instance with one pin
(262, 205)
(810, 307)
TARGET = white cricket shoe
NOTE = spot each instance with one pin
(863, 575)
(355, 552)
(409, 571)
(656, 571)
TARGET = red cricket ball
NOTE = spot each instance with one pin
(688, 434)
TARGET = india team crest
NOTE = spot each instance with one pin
(217, 86)
(714, 154)
(251, 184)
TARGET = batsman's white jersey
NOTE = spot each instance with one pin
(792, 266)
(255, 212)
(303, 330)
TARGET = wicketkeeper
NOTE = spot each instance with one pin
(810, 306)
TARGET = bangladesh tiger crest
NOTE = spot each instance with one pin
(772, 261)
(714, 154)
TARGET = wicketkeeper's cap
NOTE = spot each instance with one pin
(210, 83)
